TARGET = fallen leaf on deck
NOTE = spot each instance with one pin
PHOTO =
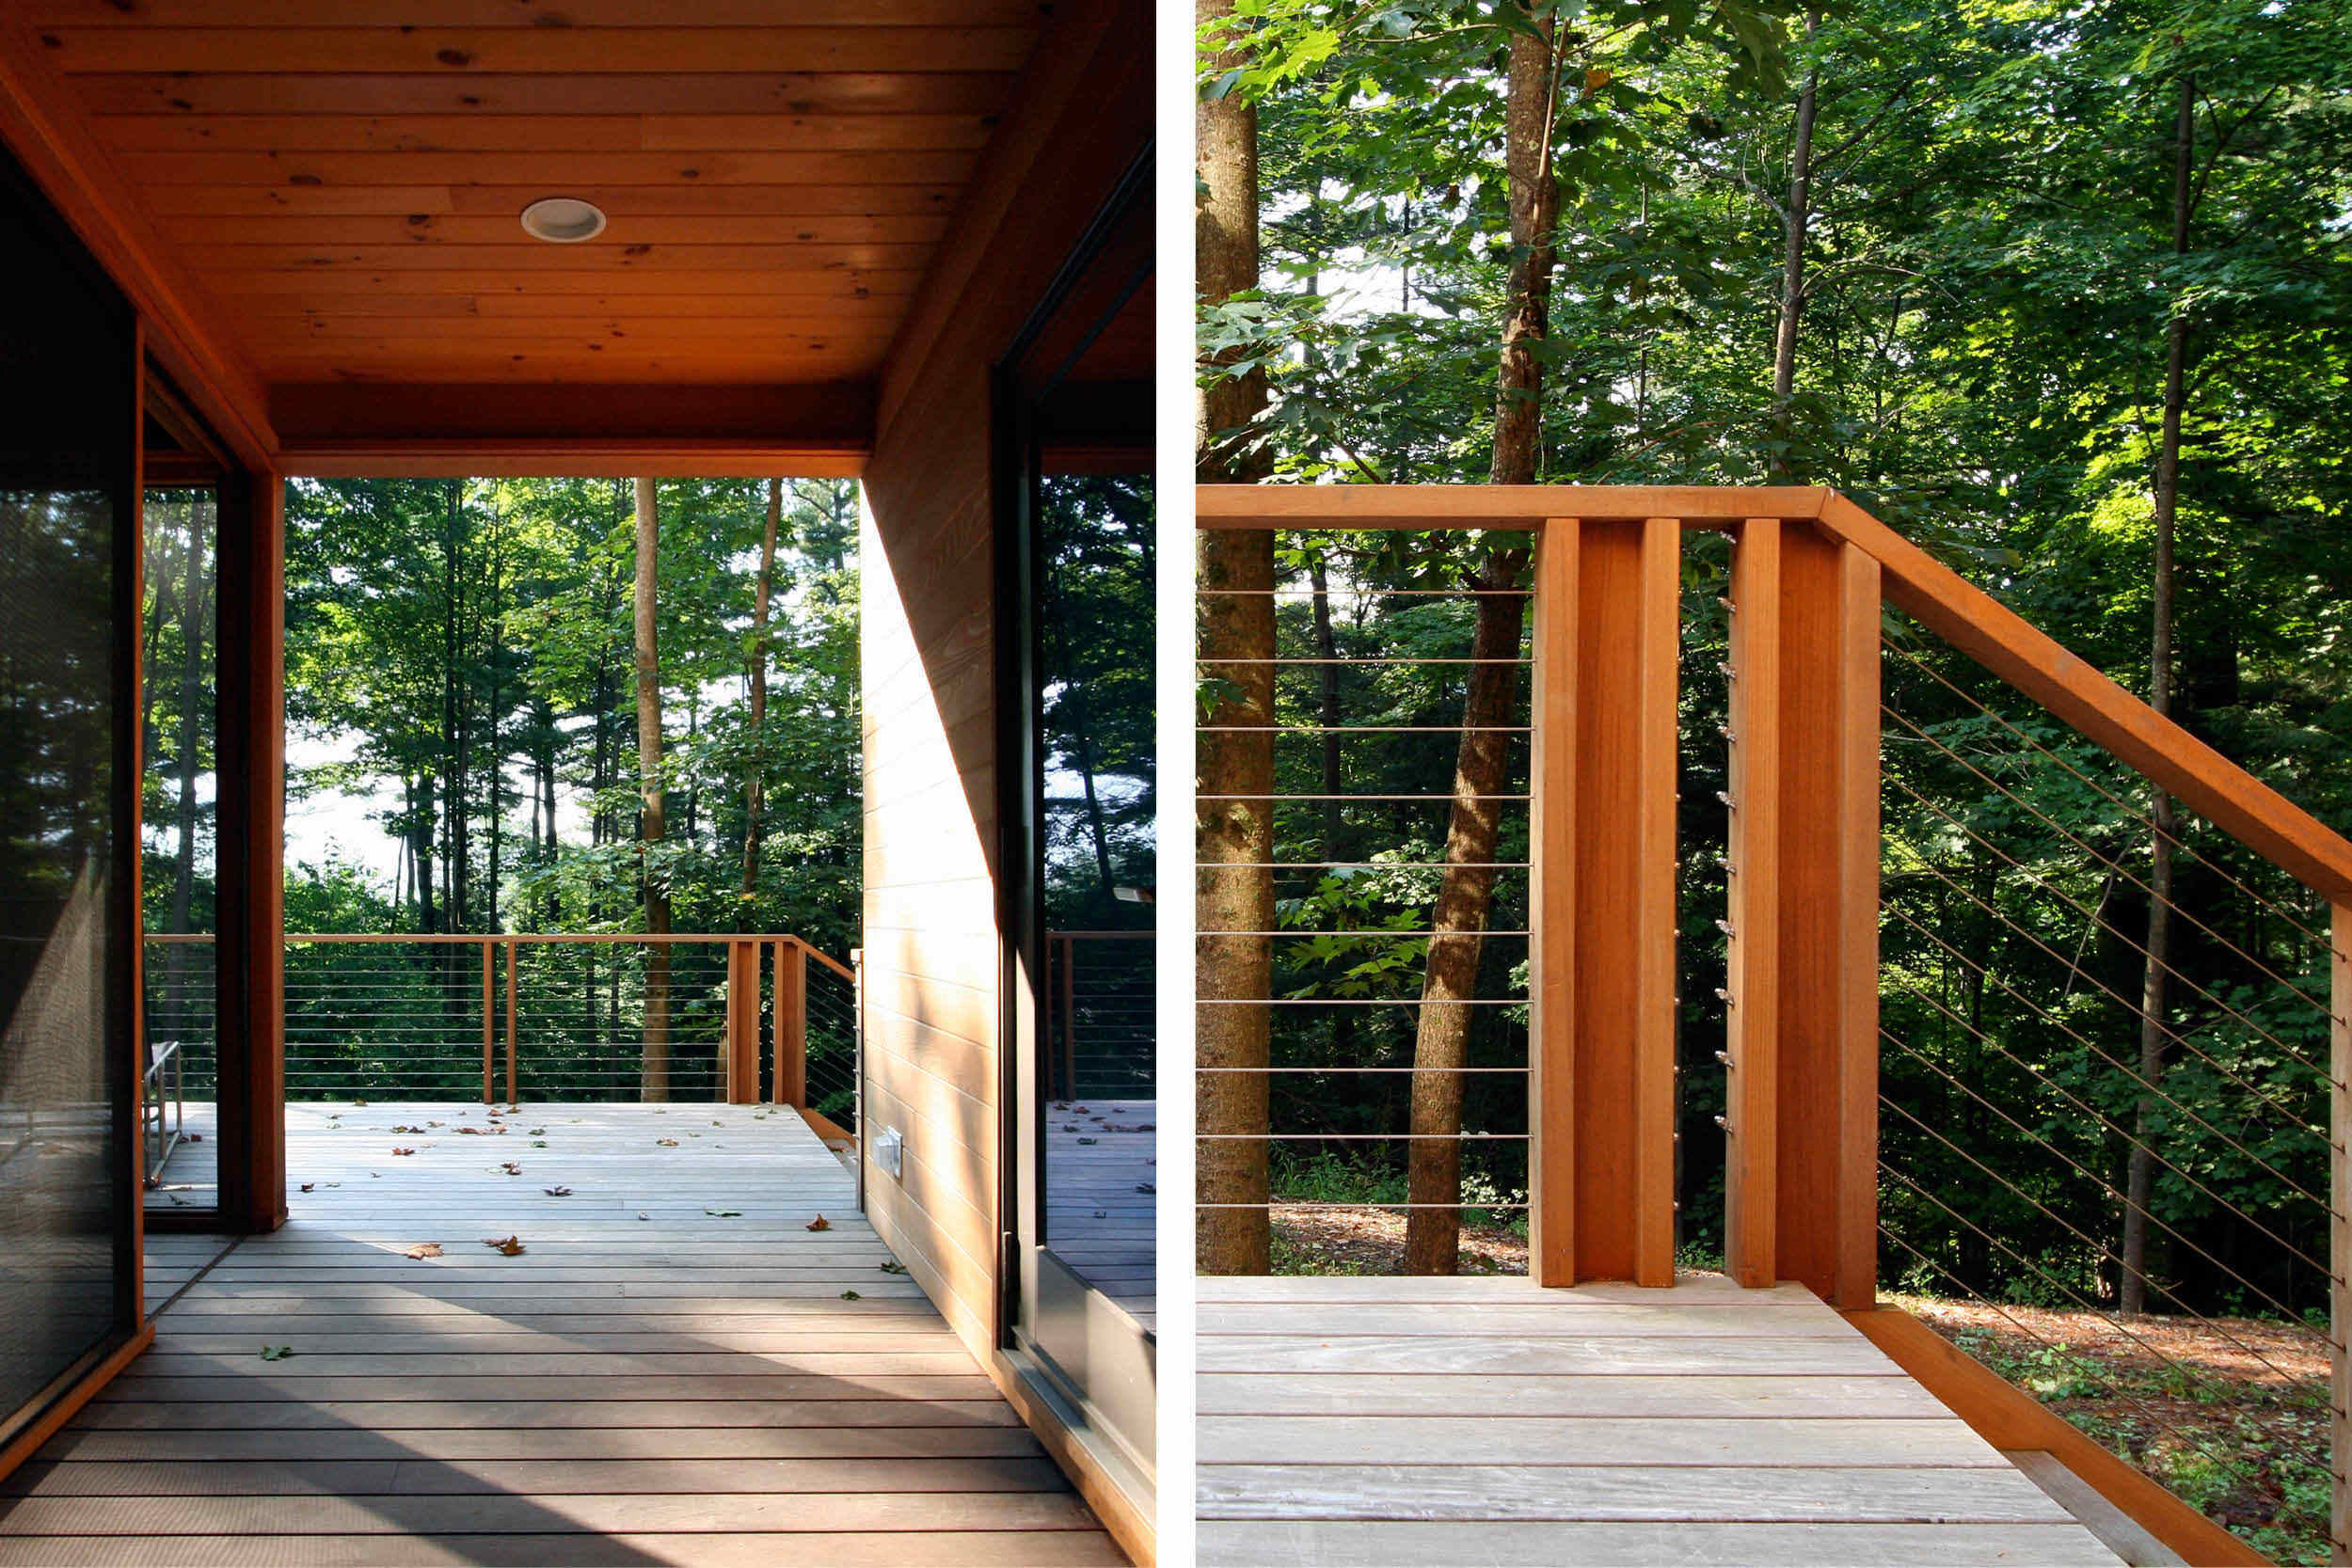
(308, 1185)
(508, 1245)
(538, 1132)
(403, 1151)
(820, 1223)
(665, 1143)
(538, 1143)
(724, 1213)
(425, 1249)
(511, 1167)
(277, 1352)
(1146, 1187)
(1090, 1140)
(559, 1192)
(851, 1295)
(470, 1131)
(894, 1266)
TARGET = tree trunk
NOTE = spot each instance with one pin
(1433, 1225)
(1795, 219)
(1234, 838)
(755, 787)
(651, 879)
(498, 756)
(2140, 1175)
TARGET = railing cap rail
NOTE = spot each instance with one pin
(2159, 750)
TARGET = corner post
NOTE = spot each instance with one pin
(742, 1024)
(792, 1023)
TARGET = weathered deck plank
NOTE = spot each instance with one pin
(674, 1369)
(1464, 1421)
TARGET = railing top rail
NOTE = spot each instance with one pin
(1437, 507)
(2154, 746)
(531, 939)
(1938, 597)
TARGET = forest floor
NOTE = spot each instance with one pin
(2231, 1414)
(1372, 1241)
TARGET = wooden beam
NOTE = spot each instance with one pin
(2162, 752)
(1490, 506)
(1552, 911)
(252, 835)
(41, 123)
(790, 1086)
(2010, 1418)
(1752, 1015)
(425, 430)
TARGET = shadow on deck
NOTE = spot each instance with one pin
(1481, 1421)
(674, 1368)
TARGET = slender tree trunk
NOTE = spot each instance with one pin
(2140, 1175)
(651, 879)
(754, 787)
(1795, 220)
(194, 615)
(1234, 838)
(1433, 1226)
(498, 754)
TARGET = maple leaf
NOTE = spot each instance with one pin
(820, 1223)
(507, 1245)
(403, 1151)
(511, 1167)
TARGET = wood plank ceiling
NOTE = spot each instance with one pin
(343, 179)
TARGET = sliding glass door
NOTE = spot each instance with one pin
(69, 409)
(1076, 514)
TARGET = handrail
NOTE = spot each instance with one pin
(1938, 597)
(2150, 743)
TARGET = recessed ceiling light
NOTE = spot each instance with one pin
(562, 220)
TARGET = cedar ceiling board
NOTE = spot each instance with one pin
(805, 171)
(318, 413)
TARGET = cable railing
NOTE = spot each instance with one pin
(582, 1017)
(1381, 1104)
(180, 1056)
(2104, 1095)
(1102, 1005)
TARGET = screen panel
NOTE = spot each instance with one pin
(68, 403)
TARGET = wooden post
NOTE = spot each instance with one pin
(1751, 1025)
(1801, 1180)
(1552, 913)
(2339, 1235)
(742, 1024)
(1608, 661)
(792, 1023)
(490, 1020)
(251, 831)
(512, 991)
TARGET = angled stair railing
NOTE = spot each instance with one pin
(1952, 1064)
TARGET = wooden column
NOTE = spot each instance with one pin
(1801, 1180)
(251, 834)
(1602, 910)
(792, 988)
(742, 1024)
(2339, 1235)
(1750, 1121)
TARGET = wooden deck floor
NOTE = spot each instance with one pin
(674, 1369)
(1102, 1196)
(1482, 1420)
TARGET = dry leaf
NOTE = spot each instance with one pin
(425, 1249)
(851, 1295)
(509, 1244)
(724, 1213)
(820, 1223)
(665, 1143)
(538, 1132)
(403, 1151)
(470, 1131)
(308, 1185)
(511, 1167)
(277, 1352)
(559, 1192)
(894, 1266)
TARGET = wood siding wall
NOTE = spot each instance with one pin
(933, 1064)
